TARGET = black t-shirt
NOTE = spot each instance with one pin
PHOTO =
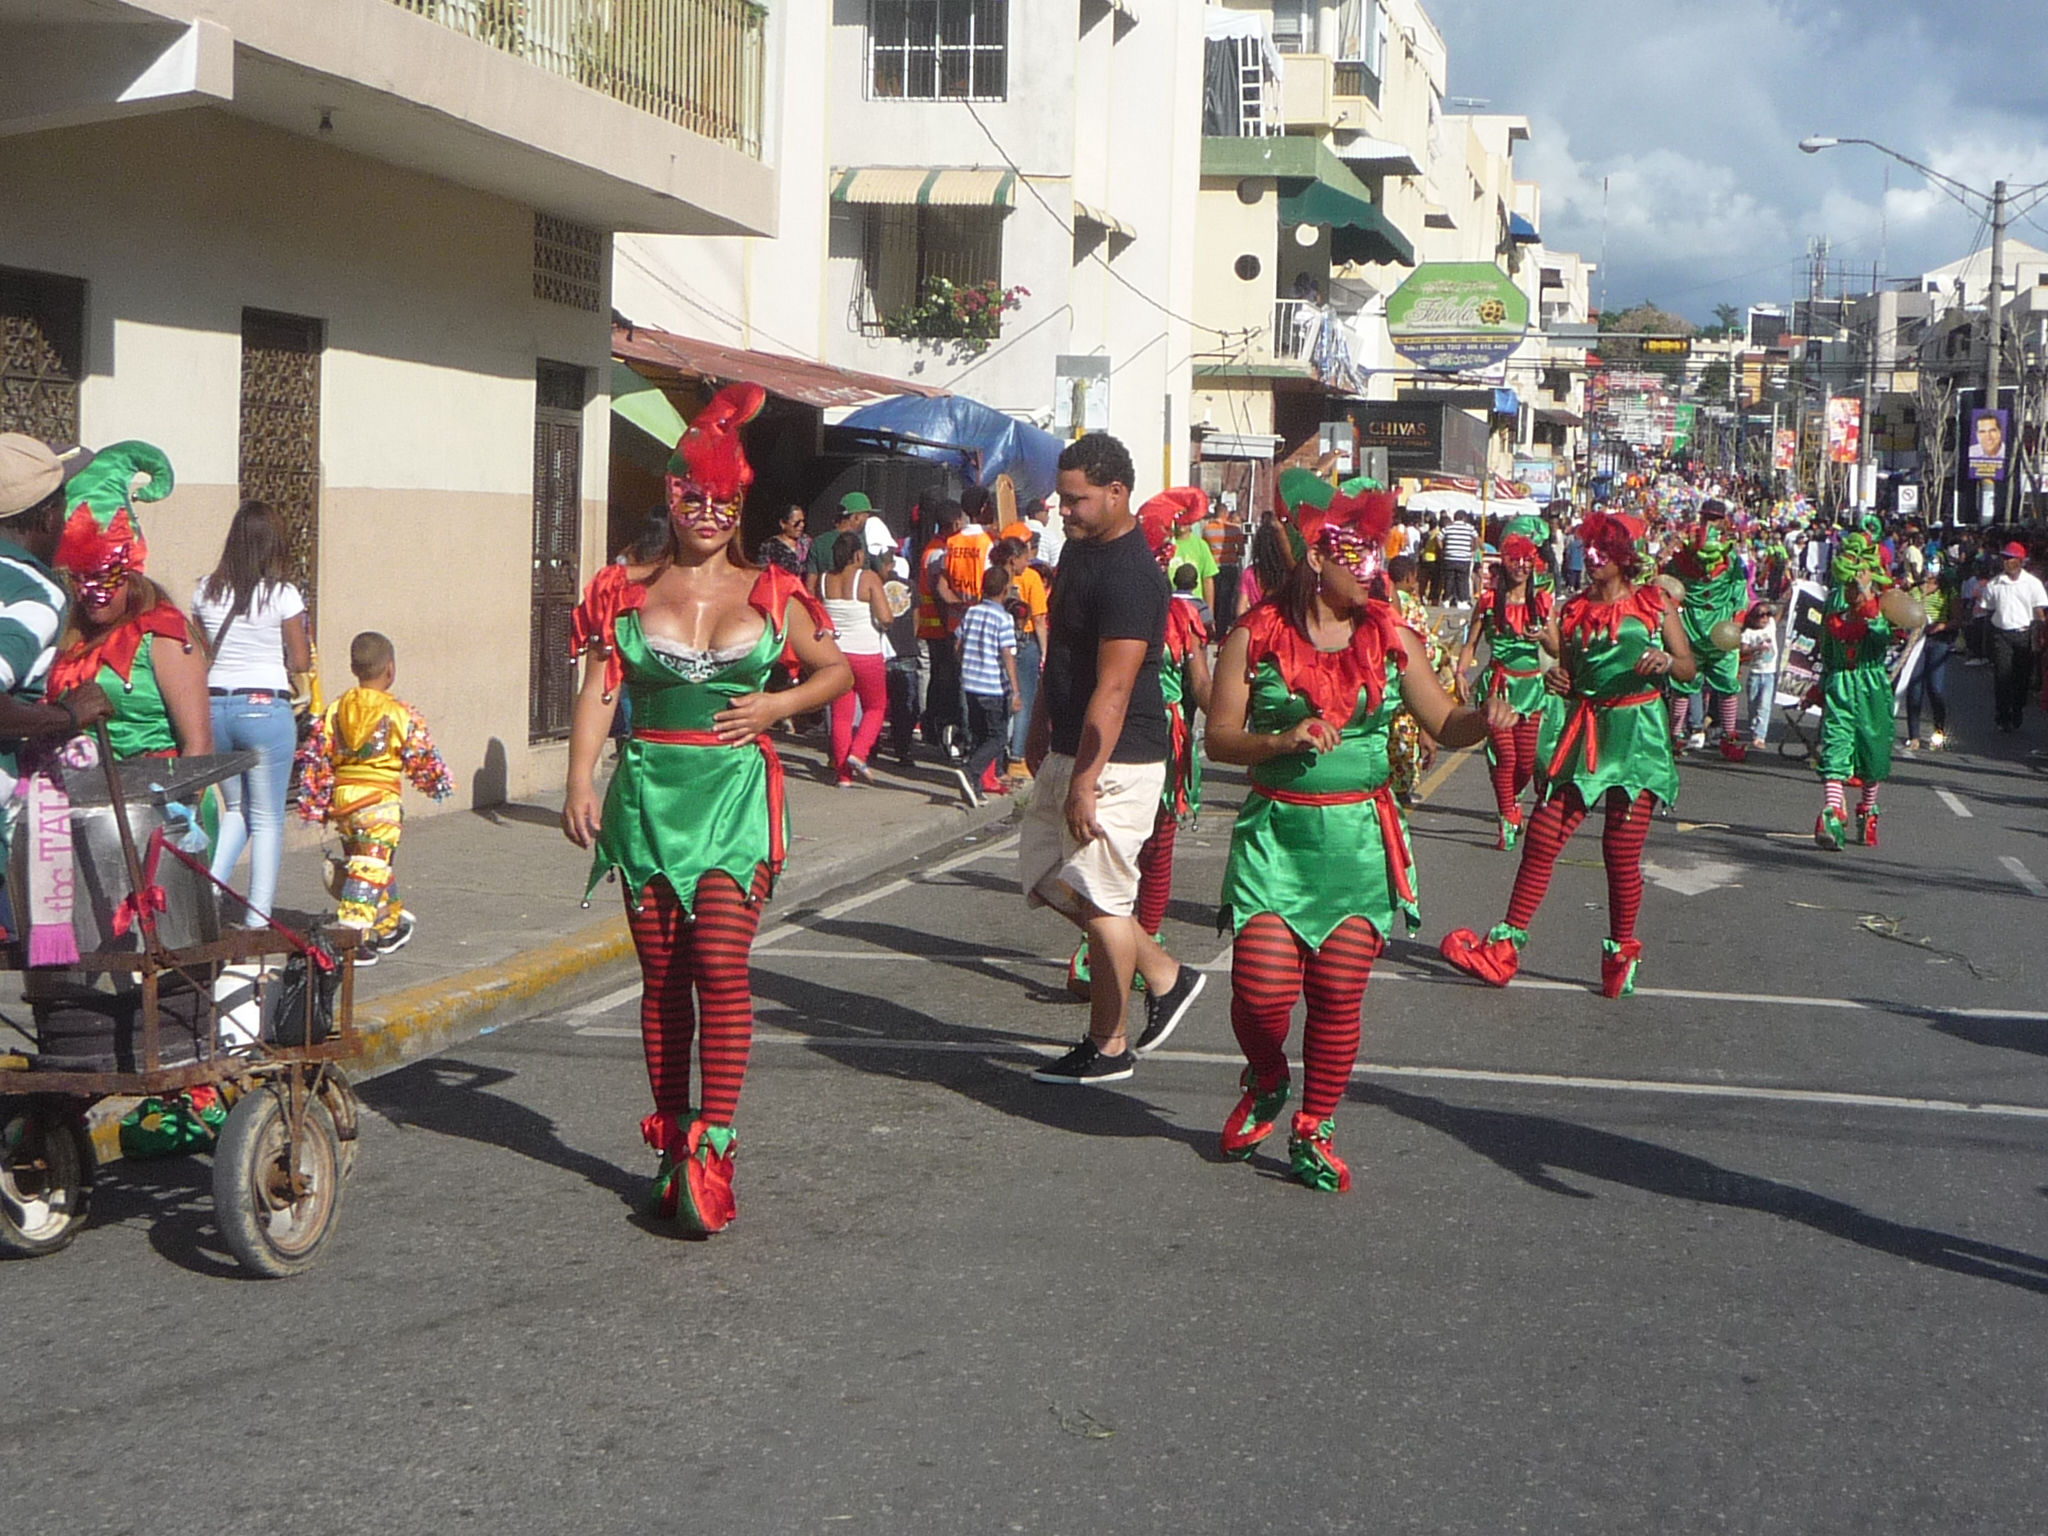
(1106, 591)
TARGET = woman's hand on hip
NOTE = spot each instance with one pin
(745, 718)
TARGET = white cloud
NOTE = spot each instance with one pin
(1692, 115)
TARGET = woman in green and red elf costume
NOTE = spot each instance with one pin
(1857, 708)
(126, 633)
(1512, 621)
(694, 823)
(1305, 693)
(1616, 643)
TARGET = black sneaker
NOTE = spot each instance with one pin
(1164, 1013)
(398, 937)
(968, 791)
(1086, 1064)
(366, 951)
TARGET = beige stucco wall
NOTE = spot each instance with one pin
(427, 384)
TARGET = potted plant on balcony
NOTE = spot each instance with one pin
(967, 314)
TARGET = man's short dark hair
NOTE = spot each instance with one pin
(974, 502)
(31, 518)
(995, 581)
(1400, 568)
(1185, 577)
(1714, 507)
(946, 516)
(1101, 458)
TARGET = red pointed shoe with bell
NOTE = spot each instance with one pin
(1618, 960)
(1493, 959)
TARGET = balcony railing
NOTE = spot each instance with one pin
(1295, 324)
(1355, 79)
(697, 63)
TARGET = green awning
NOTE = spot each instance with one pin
(1315, 188)
(641, 402)
(1358, 230)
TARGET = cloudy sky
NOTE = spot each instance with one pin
(1692, 112)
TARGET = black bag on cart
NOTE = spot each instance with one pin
(287, 1002)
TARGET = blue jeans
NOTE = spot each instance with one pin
(1763, 698)
(1027, 693)
(252, 811)
(1929, 686)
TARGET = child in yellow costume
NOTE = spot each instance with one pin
(352, 768)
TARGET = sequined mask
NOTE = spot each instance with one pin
(1361, 557)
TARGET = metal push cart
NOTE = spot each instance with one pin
(162, 1002)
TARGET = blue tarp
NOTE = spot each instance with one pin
(1006, 445)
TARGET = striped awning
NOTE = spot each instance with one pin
(1109, 223)
(905, 187)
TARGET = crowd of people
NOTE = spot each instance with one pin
(1102, 662)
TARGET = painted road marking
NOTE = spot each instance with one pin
(882, 892)
(1955, 804)
(1698, 878)
(2026, 877)
(1761, 1092)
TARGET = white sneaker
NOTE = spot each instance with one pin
(1696, 742)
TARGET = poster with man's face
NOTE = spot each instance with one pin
(1986, 448)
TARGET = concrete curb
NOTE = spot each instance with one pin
(401, 1027)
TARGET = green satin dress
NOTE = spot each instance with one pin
(1313, 866)
(1709, 599)
(1856, 701)
(677, 812)
(1593, 746)
(1182, 794)
(142, 721)
(1508, 652)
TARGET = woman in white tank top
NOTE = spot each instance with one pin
(860, 612)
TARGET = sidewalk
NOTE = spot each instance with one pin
(499, 898)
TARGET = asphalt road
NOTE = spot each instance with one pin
(1760, 1250)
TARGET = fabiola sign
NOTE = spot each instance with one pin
(1456, 315)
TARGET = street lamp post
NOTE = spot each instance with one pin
(1998, 199)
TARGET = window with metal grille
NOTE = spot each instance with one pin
(568, 263)
(906, 247)
(42, 354)
(938, 50)
(280, 437)
(559, 392)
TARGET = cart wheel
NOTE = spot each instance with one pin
(275, 1201)
(46, 1168)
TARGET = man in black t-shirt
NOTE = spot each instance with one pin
(1097, 750)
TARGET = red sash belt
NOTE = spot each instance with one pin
(1582, 726)
(777, 848)
(1400, 862)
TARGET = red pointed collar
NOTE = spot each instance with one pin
(1184, 629)
(117, 648)
(1583, 618)
(1331, 681)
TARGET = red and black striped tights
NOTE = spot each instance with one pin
(1511, 758)
(1621, 850)
(1269, 968)
(1155, 872)
(706, 955)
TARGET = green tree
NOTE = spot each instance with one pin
(1714, 381)
(1727, 320)
(1647, 316)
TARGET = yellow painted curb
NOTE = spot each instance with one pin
(402, 1025)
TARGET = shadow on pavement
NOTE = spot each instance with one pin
(451, 1097)
(1538, 1149)
(173, 1196)
(817, 1009)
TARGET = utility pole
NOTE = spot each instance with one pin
(1994, 309)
